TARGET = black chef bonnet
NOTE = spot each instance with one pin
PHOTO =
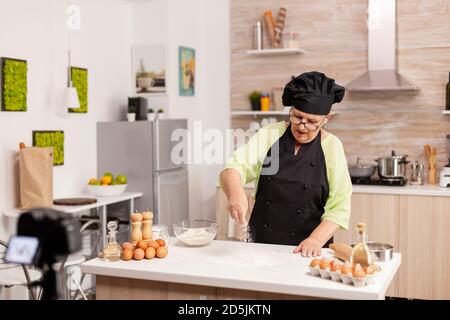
(312, 92)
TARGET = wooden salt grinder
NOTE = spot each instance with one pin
(147, 221)
(136, 225)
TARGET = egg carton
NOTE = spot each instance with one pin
(338, 277)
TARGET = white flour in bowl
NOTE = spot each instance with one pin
(196, 237)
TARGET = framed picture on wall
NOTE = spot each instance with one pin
(186, 73)
(149, 69)
(53, 139)
(14, 87)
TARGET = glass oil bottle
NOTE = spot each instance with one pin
(361, 253)
(112, 251)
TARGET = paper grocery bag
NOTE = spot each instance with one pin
(36, 177)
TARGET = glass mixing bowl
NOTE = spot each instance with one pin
(195, 233)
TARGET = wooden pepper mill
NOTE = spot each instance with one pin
(136, 225)
(147, 222)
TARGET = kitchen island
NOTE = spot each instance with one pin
(228, 270)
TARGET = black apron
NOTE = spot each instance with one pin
(290, 202)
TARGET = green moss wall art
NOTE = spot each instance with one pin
(80, 81)
(53, 139)
(13, 84)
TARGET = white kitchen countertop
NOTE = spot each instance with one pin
(246, 266)
(423, 190)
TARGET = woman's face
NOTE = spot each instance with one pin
(309, 127)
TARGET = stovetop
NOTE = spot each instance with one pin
(380, 182)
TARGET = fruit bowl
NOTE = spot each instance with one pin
(107, 191)
(195, 233)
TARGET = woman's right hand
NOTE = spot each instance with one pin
(238, 207)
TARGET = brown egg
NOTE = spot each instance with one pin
(314, 263)
(142, 245)
(136, 216)
(332, 262)
(138, 254)
(336, 266)
(127, 245)
(347, 268)
(127, 254)
(358, 271)
(161, 252)
(161, 242)
(370, 269)
(153, 244)
(376, 267)
(324, 264)
(150, 253)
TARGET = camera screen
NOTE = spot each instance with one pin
(21, 249)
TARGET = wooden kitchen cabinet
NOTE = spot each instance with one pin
(425, 247)
(379, 212)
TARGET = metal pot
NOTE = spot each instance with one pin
(393, 167)
(381, 251)
(360, 170)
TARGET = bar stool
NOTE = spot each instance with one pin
(69, 269)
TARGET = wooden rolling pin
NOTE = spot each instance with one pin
(342, 251)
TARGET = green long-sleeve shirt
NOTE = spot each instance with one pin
(248, 159)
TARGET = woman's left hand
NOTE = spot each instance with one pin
(309, 247)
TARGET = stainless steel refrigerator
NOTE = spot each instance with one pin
(142, 151)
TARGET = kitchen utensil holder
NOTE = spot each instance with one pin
(432, 176)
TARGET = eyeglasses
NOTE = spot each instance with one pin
(308, 125)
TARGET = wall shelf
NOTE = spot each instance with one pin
(446, 112)
(240, 113)
(275, 52)
(259, 113)
(151, 94)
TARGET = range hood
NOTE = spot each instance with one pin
(382, 74)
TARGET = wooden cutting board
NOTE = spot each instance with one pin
(74, 201)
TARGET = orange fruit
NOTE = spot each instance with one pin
(153, 244)
(106, 180)
(161, 242)
(92, 181)
(142, 244)
(138, 254)
(127, 254)
(150, 253)
(161, 252)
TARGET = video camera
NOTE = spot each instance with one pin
(44, 236)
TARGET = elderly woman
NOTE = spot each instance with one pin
(303, 188)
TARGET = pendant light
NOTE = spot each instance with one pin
(71, 95)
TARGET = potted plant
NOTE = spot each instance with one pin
(255, 100)
(161, 114)
(131, 115)
(151, 115)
